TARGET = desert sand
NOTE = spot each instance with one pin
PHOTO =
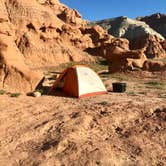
(114, 129)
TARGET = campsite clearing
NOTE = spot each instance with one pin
(111, 129)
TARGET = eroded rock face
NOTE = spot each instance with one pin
(44, 41)
(32, 35)
(157, 22)
(15, 75)
(154, 47)
(163, 43)
(72, 17)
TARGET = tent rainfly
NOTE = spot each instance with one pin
(79, 81)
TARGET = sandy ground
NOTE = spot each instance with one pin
(116, 129)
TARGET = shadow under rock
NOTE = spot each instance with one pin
(45, 90)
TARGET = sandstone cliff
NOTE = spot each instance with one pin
(37, 33)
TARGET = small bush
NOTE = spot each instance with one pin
(15, 94)
(2, 92)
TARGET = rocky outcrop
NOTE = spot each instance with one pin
(122, 60)
(118, 52)
(154, 47)
(125, 27)
(163, 43)
(15, 75)
(140, 35)
(119, 56)
(48, 40)
(97, 35)
(156, 21)
(154, 66)
(71, 17)
(34, 34)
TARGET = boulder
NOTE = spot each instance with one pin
(15, 75)
(121, 60)
(153, 66)
(36, 94)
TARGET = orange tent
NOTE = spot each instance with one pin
(79, 81)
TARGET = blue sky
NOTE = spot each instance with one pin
(101, 9)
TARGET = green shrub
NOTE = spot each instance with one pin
(15, 94)
(2, 92)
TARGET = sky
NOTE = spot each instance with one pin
(93, 10)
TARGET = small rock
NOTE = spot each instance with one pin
(36, 94)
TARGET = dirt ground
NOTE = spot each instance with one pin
(115, 129)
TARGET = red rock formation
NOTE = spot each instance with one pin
(121, 59)
(154, 66)
(15, 75)
(34, 36)
(71, 17)
(153, 46)
(119, 56)
(163, 43)
(97, 34)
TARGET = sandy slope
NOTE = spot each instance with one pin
(113, 129)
